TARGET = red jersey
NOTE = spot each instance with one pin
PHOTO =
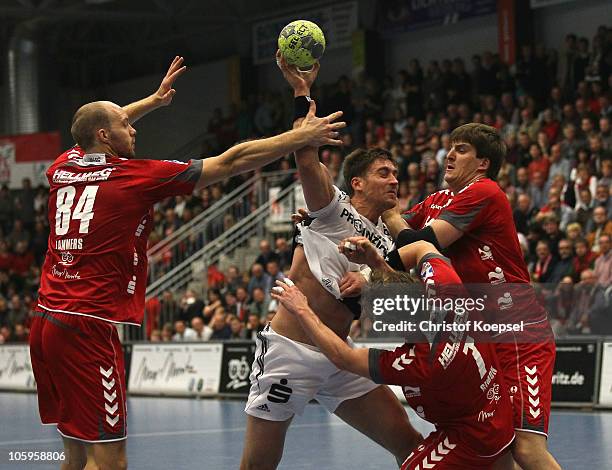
(489, 251)
(452, 382)
(100, 220)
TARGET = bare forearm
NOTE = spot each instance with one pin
(142, 107)
(335, 349)
(395, 223)
(248, 156)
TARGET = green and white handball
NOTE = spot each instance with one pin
(301, 43)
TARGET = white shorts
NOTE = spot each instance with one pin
(287, 374)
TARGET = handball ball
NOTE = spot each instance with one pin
(302, 43)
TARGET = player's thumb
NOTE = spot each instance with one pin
(312, 109)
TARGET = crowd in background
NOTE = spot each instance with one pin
(552, 108)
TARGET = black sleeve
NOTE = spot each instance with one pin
(373, 362)
(407, 236)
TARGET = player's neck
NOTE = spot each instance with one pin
(366, 210)
(100, 148)
(456, 188)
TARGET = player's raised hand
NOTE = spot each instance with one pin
(359, 250)
(165, 92)
(322, 131)
(290, 296)
(301, 81)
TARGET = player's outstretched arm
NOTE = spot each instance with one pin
(162, 97)
(314, 176)
(248, 156)
(335, 349)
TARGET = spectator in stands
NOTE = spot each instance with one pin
(558, 165)
(259, 304)
(603, 199)
(5, 334)
(39, 242)
(18, 234)
(600, 225)
(584, 208)
(167, 332)
(274, 272)
(523, 213)
(283, 252)
(212, 304)
(233, 279)
(7, 209)
(554, 207)
(190, 306)
(182, 332)
(552, 233)
(259, 279)
(155, 336)
(543, 267)
(253, 326)
(574, 232)
(202, 332)
(561, 305)
(265, 253)
(589, 297)
(18, 311)
(584, 258)
(20, 334)
(603, 263)
(570, 143)
(220, 328)
(564, 266)
(537, 189)
(237, 329)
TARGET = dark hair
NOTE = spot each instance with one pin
(487, 142)
(356, 164)
(86, 121)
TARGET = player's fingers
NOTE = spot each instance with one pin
(333, 116)
(334, 142)
(303, 212)
(178, 72)
(337, 125)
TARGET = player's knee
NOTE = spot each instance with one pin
(260, 462)
(529, 448)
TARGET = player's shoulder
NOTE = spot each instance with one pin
(439, 198)
(482, 188)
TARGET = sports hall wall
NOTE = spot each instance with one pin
(206, 86)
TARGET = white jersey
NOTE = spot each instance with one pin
(334, 222)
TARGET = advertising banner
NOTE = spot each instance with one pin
(16, 368)
(27, 156)
(236, 365)
(574, 373)
(605, 384)
(175, 369)
(407, 15)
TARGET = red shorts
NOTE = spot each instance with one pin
(528, 371)
(447, 449)
(80, 376)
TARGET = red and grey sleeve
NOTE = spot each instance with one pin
(398, 367)
(466, 209)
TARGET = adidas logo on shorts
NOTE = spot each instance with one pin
(264, 407)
